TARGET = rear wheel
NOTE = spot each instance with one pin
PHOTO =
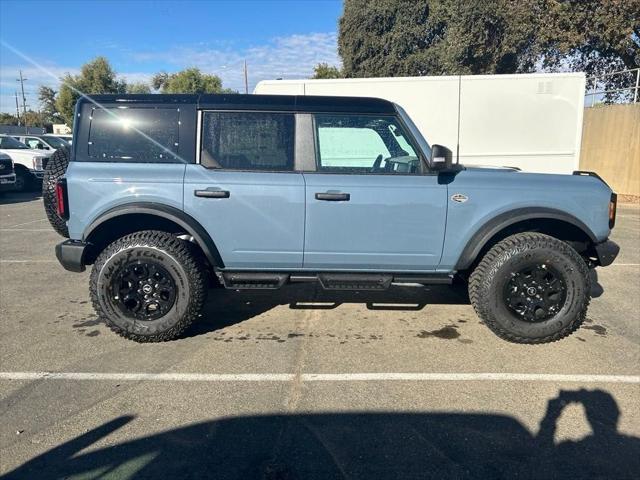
(531, 288)
(56, 168)
(148, 286)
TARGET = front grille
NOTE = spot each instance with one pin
(5, 167)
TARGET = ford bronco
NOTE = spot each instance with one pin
(167, 195)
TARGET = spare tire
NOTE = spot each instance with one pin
(55, 169)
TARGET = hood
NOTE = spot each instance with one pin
(24, 152)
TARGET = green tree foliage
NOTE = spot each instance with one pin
(324, 70)
(190, 80)
(8, 119)
(95, 77)
(138, 87)
(440, 37)
(48, 108)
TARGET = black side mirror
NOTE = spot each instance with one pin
(441, 158)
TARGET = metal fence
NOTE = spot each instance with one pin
(596, 93)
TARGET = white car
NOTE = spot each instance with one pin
(28, 163)
(42, 142)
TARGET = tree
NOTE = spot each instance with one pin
(8, 119)
(190, 80)
(95, 77)
(138, 87)
(445, 37)
(324, 70)
(34, 119)
(48, 108)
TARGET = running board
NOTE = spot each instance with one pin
(328, 281)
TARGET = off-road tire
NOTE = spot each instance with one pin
(488, 280)
(56, 168)
(171, 253)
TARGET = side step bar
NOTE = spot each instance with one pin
(328, 281)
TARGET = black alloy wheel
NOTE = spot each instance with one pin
(536, 293)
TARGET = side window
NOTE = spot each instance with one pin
(261, 141)
(134, 134)
(363, 144)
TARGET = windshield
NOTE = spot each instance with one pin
(55, 142)
(424, 145)
(11, 143)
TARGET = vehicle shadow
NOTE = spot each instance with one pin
(359, 445)
(8, 198)
(230, 307)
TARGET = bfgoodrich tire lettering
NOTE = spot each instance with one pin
(173, 256)
(488, 282)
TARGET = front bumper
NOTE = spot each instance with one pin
(607, 252)
(7, 182)
(70, 254)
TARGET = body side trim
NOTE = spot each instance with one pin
(164, 211)
(480, 238)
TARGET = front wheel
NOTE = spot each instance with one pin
(531, 288)
(148, 286)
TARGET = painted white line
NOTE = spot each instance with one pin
(27, 230)
(28, 261)
(27, 223)
(322, 377)
(624, 265)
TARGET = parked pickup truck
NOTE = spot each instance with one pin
(29, 163)
(7, 174)
(164, 193)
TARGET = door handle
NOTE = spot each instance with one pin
(212, 193)
(333, 197)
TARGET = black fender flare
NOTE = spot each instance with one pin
(185, 221)
(480, 238)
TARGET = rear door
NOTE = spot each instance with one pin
(245, 191)
(370, 205)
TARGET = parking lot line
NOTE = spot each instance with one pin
(27, 223)
(321, 377)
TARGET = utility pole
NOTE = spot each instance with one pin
(24, 99)
(246, 81)
(17, 109)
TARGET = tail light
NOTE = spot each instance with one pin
(613, 205)
(62, 200)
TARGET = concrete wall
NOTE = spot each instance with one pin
(611, 146)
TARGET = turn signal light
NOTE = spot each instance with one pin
(613, 204)
(62, 204)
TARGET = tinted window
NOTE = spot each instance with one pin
(11, 143)
(247, 140)
(363, 144)
(134, 134)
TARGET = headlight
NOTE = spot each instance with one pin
(37, 163)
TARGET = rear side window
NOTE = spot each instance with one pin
(134, 134)
(261, 141)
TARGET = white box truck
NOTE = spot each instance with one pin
(529, 121)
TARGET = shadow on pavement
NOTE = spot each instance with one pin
(356, 446)
(229, 307)
(7, 198)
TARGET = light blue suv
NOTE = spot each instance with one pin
(166, 195)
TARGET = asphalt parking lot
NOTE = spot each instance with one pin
(403, 384)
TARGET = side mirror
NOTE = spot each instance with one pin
(441, 158)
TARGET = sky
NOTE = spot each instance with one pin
(278, 39)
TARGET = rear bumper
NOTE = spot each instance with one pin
(607, 252)
(70, 254)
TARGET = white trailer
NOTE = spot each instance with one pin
(529, 121)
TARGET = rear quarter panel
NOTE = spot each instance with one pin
(493, 192)
(95, 187)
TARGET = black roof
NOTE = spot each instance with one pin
(296, 103)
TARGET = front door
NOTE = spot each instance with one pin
(369, 205)
(245, 192)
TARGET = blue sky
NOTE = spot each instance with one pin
(277, 38)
